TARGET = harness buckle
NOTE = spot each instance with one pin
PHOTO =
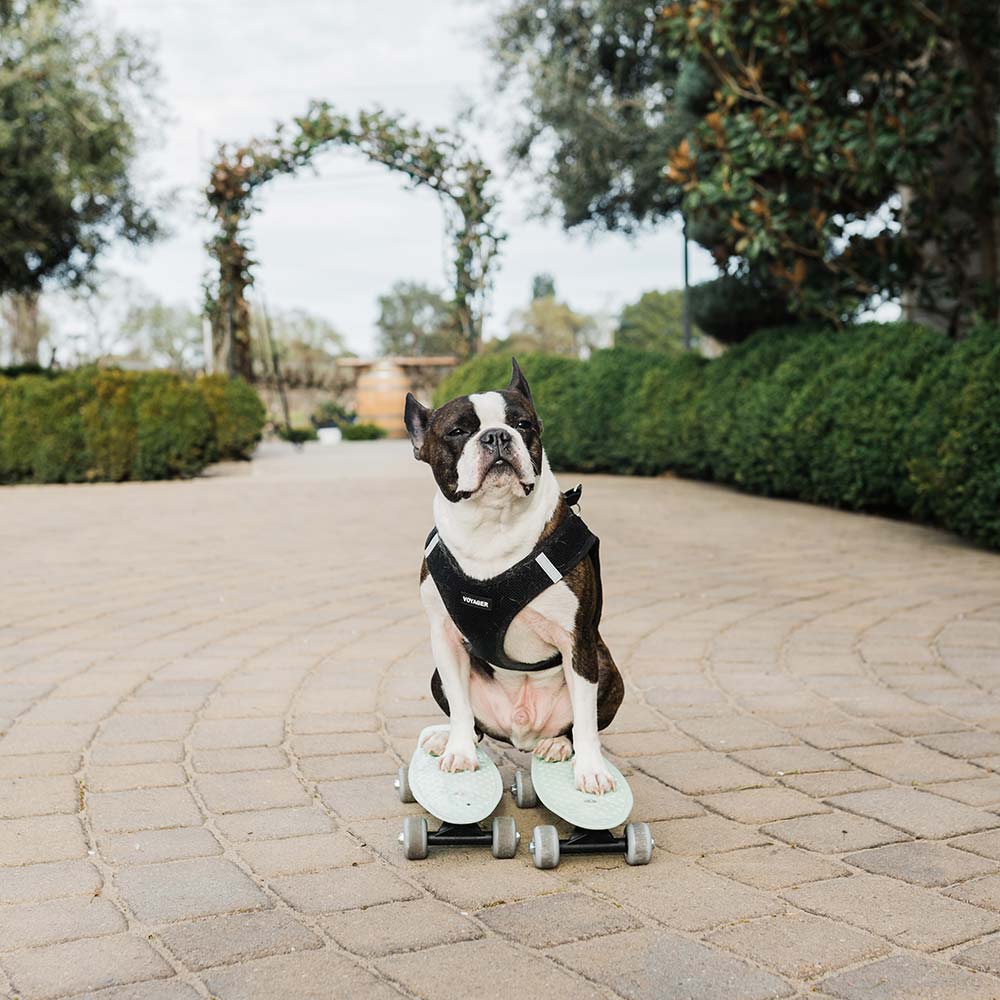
(572, 497)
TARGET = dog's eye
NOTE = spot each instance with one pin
(456, 432)
(525, 425)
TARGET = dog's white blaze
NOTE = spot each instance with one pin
(491, 408)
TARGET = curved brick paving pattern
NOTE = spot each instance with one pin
(206, 687)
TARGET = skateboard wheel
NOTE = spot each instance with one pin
(504, 837)
(402, 784)
(415, 838)
(639, 843)
(524, 791)
(545, 846)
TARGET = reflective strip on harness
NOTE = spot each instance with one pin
(546, 563)
(430, 548)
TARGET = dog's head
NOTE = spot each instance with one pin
(484, 445)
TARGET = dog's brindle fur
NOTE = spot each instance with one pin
(437, 441)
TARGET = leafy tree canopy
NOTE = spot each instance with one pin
(70, 103)
(543, 286)
(597, 81)
(830, 155)
(848, 149)
(415, 321)
(167, 335)
(549, 326)
(654, 323)
(307, 345)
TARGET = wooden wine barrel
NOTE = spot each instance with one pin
(381, 396)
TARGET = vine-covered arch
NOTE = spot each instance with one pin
(435, 159)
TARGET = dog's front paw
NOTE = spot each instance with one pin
(592, 775)
(554, 748)
(459, 759)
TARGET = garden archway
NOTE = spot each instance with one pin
(435, 159)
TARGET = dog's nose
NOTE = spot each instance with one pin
(496, 439)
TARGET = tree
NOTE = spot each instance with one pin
(654, 323)
(307, 345)
(25, 326)
(436, 160)
(543, 286)
(848, 150)
(597, 85)
(415, 321)
(69, 103)
(169, 336)
(829, 155)
(549, 326)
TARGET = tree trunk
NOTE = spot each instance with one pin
(27, 327)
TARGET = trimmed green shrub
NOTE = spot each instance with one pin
(41, 429)
(175, 430)
(667, 433)
(92, 424)
(297, 435)
(237, 413)
(891, 418)
(362, 432)
(955, 468)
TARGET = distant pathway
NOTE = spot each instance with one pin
(206, 687)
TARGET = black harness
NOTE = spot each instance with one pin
(482, 610)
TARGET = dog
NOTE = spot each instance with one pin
(547, 685)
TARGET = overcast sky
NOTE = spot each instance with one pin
(331, 240)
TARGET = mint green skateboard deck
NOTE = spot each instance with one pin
(593, 816)
(454, 797)
(556, 788)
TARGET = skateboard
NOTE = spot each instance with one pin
(593, 816)
(460, 800)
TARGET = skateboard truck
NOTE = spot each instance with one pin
(502, 838)
(636, 841)
(464, 810)
(637, 844)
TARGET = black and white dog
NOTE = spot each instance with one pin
(499, 514)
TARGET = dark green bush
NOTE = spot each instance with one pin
(297, 435)
(175, 430)
(328, 412)
(237, 414)
(362, 432)
(667, 431)
(93, 424)
(891, 418)
(955, 468)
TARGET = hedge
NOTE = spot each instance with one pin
(92, 424)
(889, 418)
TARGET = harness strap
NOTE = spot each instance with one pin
(482, 610)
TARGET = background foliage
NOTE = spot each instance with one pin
(94, 424)
(70, 105)
(829, 155)
(436, 160)
(414, 321)
(848, 149)
(890, 418)
(655, 323)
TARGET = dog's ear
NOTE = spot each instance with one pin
(518, 383)
(416, 418)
